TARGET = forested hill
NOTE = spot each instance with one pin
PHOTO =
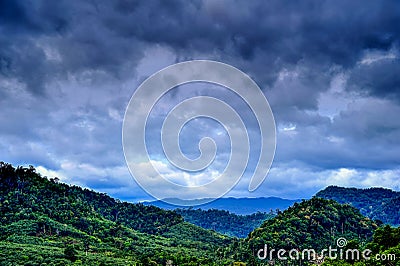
(225, 222)
(375, 203)
(45, 222)
(311, 224)
(314, 223)
(22, 188)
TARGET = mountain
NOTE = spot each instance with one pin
(45, 222)
(311, 224)
(376, 203)
(314, 223)
(225, 222)
(389, 212)
(240, 206)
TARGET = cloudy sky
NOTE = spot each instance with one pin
(329, 69)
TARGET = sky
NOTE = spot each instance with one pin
(330, 71)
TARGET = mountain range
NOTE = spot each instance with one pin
(46, 222)
(240, 206)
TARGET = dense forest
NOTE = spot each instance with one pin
(225, 222)
(46, 222)
(376, 203)
(386, 243)
(317, 224)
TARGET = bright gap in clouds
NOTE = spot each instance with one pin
(196, 129)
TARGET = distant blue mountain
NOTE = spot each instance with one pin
(241, 206)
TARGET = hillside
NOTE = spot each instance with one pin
(375, 203)
(45, 222)
(225, 222)
(239, 206)
(315, 223)
(57, 224)
(389, 212)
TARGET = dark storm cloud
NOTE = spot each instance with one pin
(380, 79)
(68, 68)
(372, 123)
(298, 88)
(57, 39)
(21, 22)
(32, 17)
(102, 35)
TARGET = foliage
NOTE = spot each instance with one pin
(314, 223)
(225, 222)
(31, 193)
(376, 203)
(385, 248)
(311, 224)
(45, 222)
